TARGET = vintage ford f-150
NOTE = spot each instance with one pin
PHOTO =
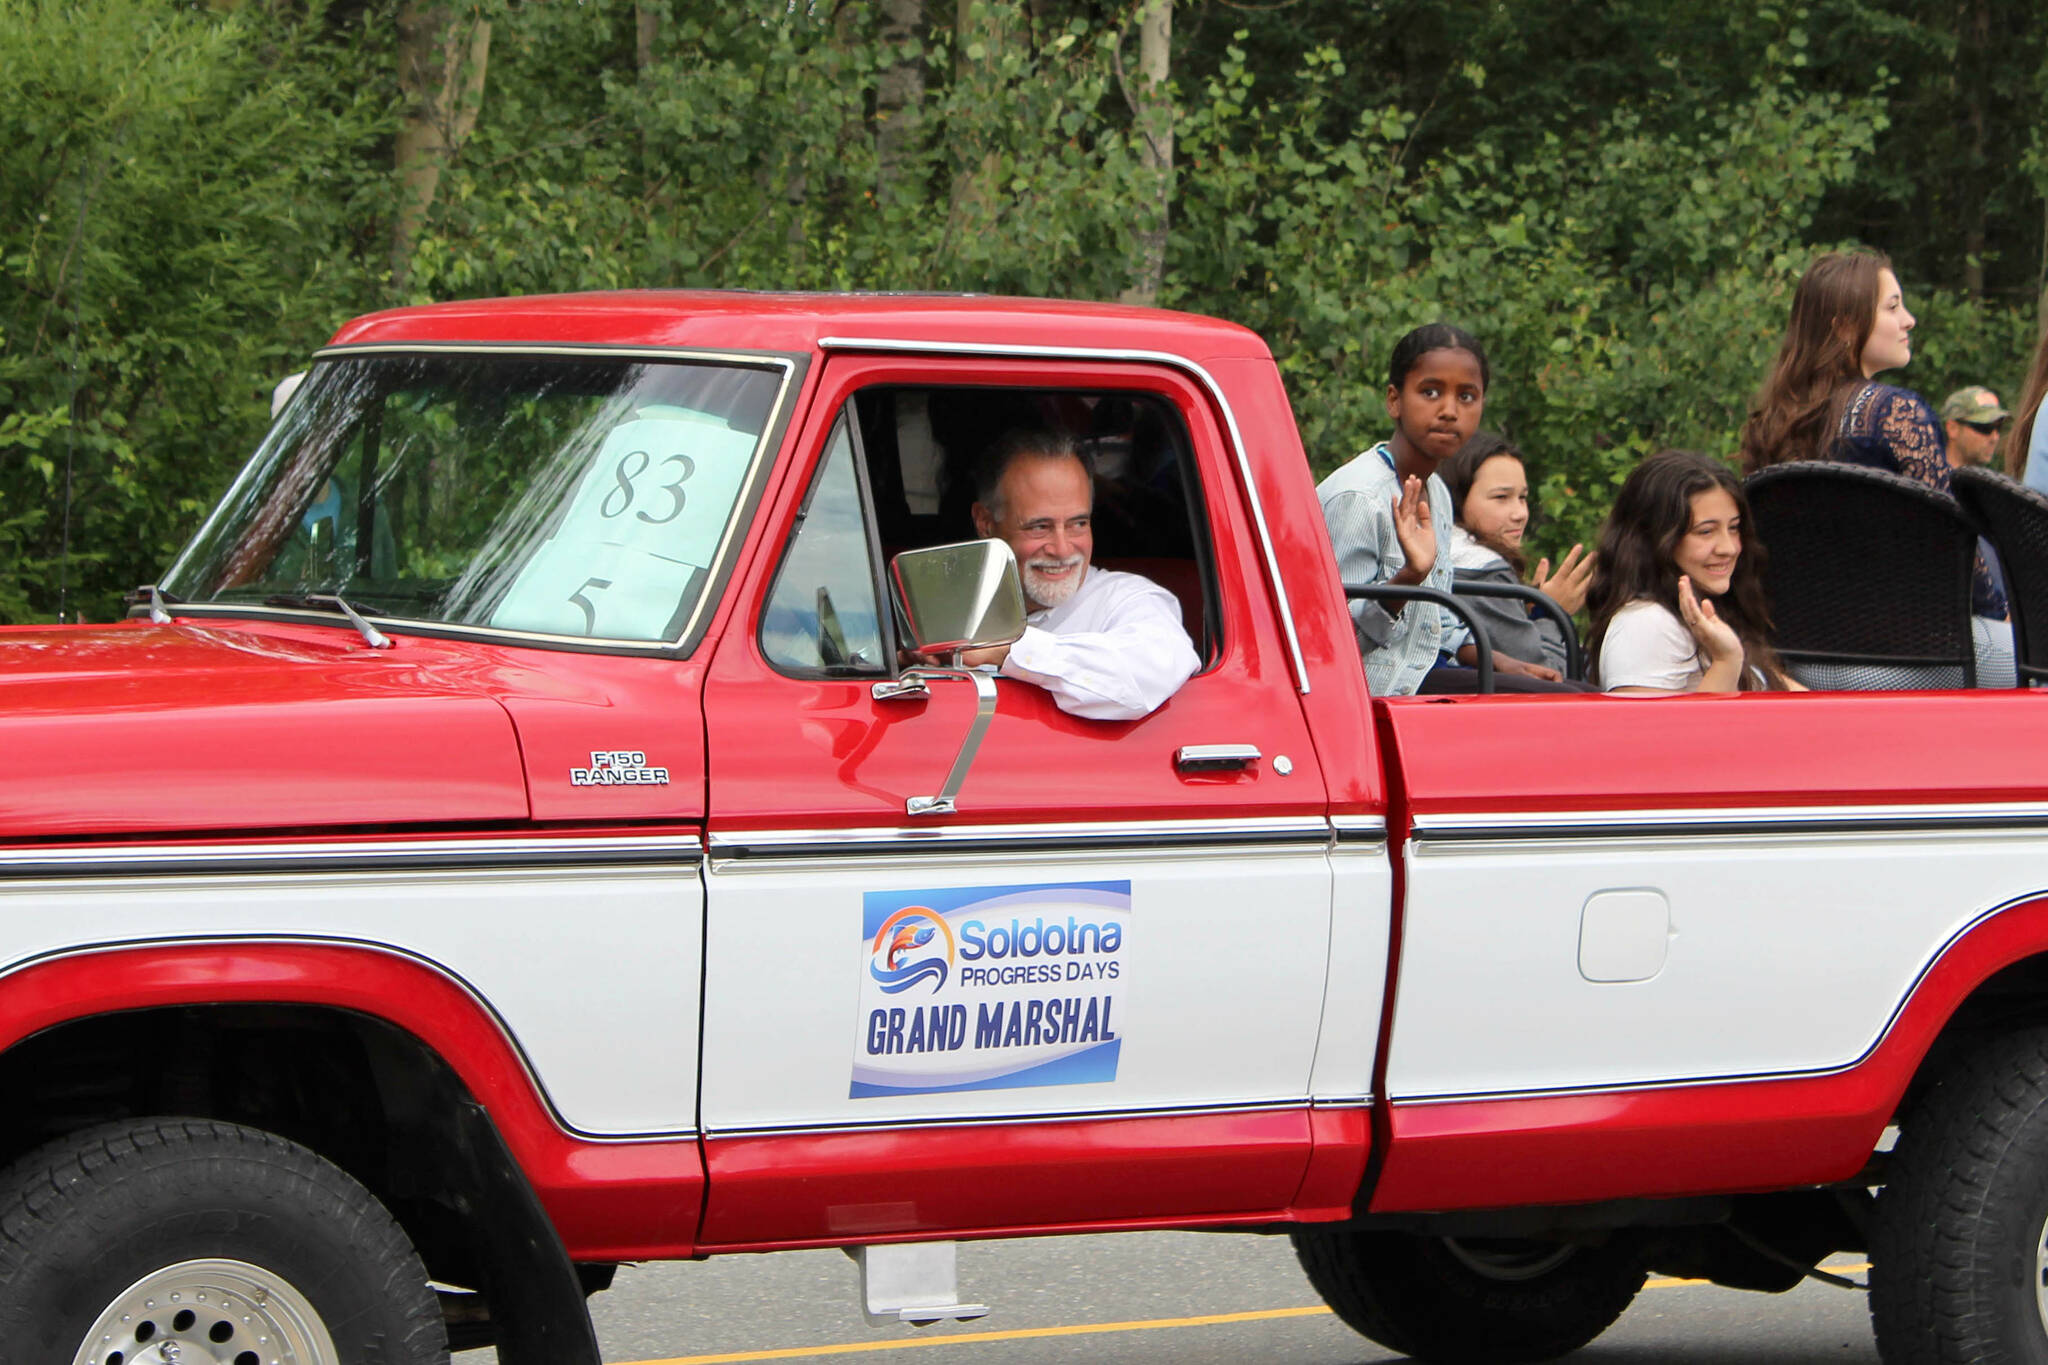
(509, 841)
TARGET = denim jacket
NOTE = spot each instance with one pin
(1358, 506)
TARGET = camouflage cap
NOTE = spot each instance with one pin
(1973, 404)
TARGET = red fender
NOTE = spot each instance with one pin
(609, 1200)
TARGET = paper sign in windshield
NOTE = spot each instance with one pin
(644, 519)
(991, 987)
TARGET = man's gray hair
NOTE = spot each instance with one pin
(1013, 445)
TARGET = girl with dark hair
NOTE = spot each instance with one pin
(1849, 322)
(1386, 507)
(1677, 602)
(1822, 401)
(1490, 499)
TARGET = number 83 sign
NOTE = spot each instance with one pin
(642, 520)
(632, 465)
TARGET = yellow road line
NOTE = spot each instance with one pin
(1647, 1284)
(960, 1338)
(847, 1348)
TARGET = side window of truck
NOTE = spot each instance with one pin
(898, 474)
(920, 447)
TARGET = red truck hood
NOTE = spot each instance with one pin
(129, 729)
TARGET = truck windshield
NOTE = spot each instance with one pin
(575, 496)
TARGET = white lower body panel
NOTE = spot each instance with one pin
(1786, 953)
(594, 971)
(1213, 990)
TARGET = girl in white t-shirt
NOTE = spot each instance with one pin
(1677, 605)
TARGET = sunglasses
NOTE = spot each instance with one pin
(1986, 428)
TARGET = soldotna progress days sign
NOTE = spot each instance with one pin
(991, 987)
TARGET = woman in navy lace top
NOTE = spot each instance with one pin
(1822, 401)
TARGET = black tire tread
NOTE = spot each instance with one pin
(1944, 1220)
(1403, 1292)
(72, 1184)
(1331, 1265)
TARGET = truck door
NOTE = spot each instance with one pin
(1091, 993)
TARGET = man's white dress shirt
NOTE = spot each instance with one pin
(1115, 650)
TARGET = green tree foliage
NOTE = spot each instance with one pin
(174, 217)
(1616, 196)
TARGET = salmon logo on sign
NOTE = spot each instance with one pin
(991, 987)
(898, 964)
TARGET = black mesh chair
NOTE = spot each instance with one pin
(2014, 518)
(1865, 569)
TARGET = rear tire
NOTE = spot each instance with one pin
(1959, 1246)
(1473, 1301)
(237, 1245)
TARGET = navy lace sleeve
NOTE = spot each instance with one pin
(1894, 429)
(1917, 442)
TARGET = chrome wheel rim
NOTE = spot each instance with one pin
(208, 1312)
(2041, 1275)
(1508, 1260)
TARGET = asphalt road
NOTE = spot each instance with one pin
(1181, 1297)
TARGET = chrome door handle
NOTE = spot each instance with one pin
(1214, 758)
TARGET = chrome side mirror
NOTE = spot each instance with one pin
(953, 598)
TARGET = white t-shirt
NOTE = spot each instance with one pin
(1646, 645)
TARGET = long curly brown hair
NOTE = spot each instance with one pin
(1637, 558)
(2021, 433)
(1796, 412)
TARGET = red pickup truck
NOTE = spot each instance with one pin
(508, 842)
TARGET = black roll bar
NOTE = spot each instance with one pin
(1387, 592)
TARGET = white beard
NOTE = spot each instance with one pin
(1046, 592)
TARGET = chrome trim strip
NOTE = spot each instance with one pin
(1463, 827)
(1301, 1104)
(1617, 1087)
(1630, 1087)
(1341, 1102)
(379, 856)
(541, 348)
(1179, 362)
(1359, 829)
(439, 969)
(787, 843)
(750, 486)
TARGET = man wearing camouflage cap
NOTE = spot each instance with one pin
(1973, 420)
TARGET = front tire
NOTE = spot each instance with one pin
(1959, 1247)
(1471, 1301)
(235, 1244)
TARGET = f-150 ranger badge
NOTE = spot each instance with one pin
(618, 768)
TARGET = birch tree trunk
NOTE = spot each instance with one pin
(1152, 111)
(899, 98)
(1975, 58)
(978, 34)
(646, 28)
(442, 58)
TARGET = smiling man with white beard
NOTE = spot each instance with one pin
(1106, 645)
